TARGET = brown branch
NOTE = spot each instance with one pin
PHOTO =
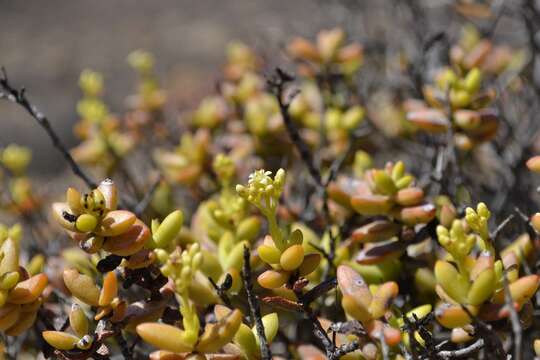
(254, 307)
(514, 321)
(277, 84)
(466, 351)
(148, 196)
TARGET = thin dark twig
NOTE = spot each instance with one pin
(319, 290)
(514, 320)
(254, 307)
(19, 97)
(221, 291)
(451, 354)
(347, 348)
(501, 227)
(278, 84)
(145, 201)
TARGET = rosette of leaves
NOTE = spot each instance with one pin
(329, 53)
(391, 195)
(20, 290)
(104, 141)
(369, 305)
(95, 223)
(185, 164)
(457, 103)
(473, 283)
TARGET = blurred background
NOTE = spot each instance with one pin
(45, 47)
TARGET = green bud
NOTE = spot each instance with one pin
(398, 170)
(383, 182)
(169, 229)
